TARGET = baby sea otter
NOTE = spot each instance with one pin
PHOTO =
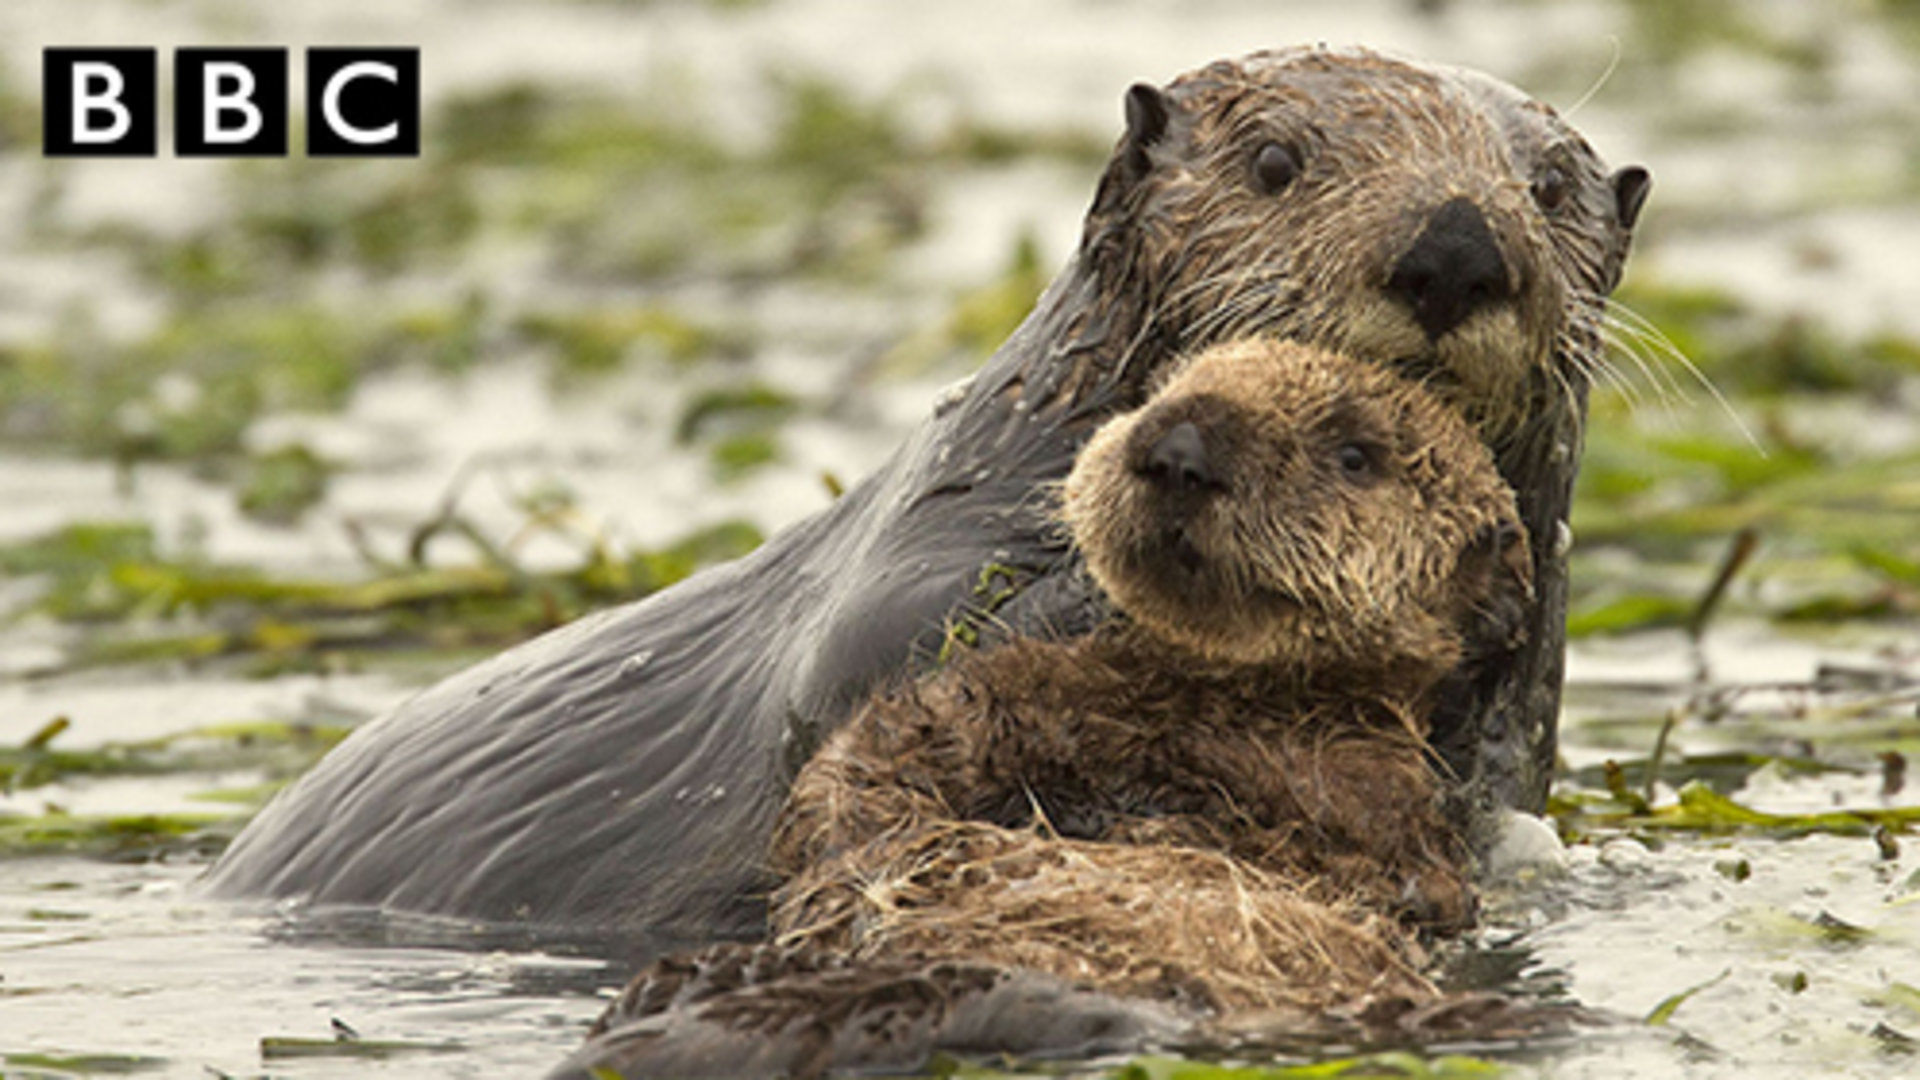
(1221, 800)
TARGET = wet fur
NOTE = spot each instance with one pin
(1038, 803)
(551, 786)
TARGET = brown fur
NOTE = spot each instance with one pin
(1231, 795)
(1297, 564)
(1381, 143)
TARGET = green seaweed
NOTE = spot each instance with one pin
(591, 342)
(1663, 1012)
(63, 1065)
(103, 573)
(1622, 614)
(1396, 1063)
(1897, 995)
(116, 835)
(1725, 772)
(280, 747)
(737, 455)
(279, 486)
(1702, 811)
(747, 407)
(285, 1047)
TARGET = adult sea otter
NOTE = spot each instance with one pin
(625, 771)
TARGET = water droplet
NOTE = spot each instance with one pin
(632, 665)
(951, 397)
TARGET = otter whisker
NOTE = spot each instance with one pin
(1643, 330)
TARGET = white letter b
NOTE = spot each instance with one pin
(87, 101)
(239, 100)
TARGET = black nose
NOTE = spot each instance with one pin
(1453, 269)
(1178, 460)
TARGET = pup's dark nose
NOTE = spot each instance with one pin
(1453, 269)
(1178, 460)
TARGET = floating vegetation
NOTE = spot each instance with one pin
(62, 1066)
(190, 390)
(1398, 1064)
(188, 610)
(739, 423)
(1663, 1012)
(592, 342)
(751, 406)
(279, 486)
(284, 1047)
(116, 835)
(276, 748)
(1724, 773)
(1700, 810)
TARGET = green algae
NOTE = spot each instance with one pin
(156, 609)
(73, 1065)
(1662, 1013)
(1397, 1063)
(277, 747)
(1699, 810)
(279, 486)
(286, 1047)
(752, 406)
(116, 835)
(591, 342)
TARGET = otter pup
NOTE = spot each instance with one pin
(1222, 799)
(1303, 548)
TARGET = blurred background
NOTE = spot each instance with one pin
(281, 440)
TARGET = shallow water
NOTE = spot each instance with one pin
(120, 960)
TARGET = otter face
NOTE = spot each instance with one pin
(1276, 504)
(1428, 219)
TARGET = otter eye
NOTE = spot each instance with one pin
(1551, 188)
(1274, 167)
(1355, 462)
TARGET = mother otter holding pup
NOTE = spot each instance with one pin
(627, 771)
(1223, 797)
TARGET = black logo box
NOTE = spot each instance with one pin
(230, 102)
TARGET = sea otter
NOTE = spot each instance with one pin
(1221, 799)
(626, 771)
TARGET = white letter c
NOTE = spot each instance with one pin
(330, 103)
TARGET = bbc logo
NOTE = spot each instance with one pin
(230, 102)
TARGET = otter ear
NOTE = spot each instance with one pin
(1499, 620)
(1146, 125)
(1630, 186)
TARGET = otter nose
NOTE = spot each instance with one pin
(1178, 460)
(1453, 269)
